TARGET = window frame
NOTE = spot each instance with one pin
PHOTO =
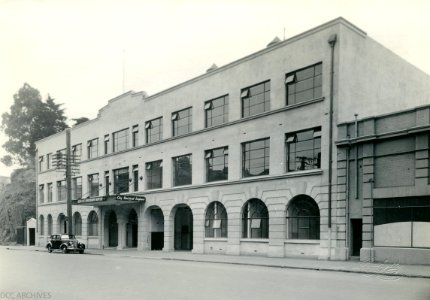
(176, 170)
(209, 107)
(288, 83)
(176, 117)
(266, 158)
(118, 189)
(151, 173)
(149, 127)
(292, 139)
(245, 95)
(212, 157)
(93, 148)
(116, 139)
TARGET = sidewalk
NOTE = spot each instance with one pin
(387, 271)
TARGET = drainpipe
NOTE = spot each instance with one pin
(347, 237)
(332, 42)
(356, 156)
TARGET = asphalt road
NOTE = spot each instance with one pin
(38, 275)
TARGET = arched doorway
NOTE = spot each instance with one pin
(132, 229)
(157, 228)
(112, 230)
(62, 224)
(183, 231)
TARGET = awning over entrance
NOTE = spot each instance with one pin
(109, 200)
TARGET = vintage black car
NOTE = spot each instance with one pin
(66, 243)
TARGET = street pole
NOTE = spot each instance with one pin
(69, 183)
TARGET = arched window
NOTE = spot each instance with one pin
(255, 220)
(77, 223)
(303, 218)
(49, 224)
(93, 222)
(216, 221)
(41, 225)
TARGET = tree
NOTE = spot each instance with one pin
(80, 120)
(29, 120)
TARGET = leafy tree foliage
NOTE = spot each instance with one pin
(30, 119)
(80, 120)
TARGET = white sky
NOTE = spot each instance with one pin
(74, 50)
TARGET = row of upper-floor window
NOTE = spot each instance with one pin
(301, 85)
(302, 148)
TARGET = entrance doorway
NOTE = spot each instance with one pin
(32, 237)
(132, 229)
(157, 229)
(356, 227)
(183, 228)
(113, 230)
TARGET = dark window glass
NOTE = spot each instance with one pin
(48, 161)
(304, 85)
(303, 219)
(61, 190)
(76, 154)
(93, 185)
(77, 223)
(216, 221)
(255, 99)
(50, 192)
(41, 225)
(154, 175)
(182, 170)
(255, 220)
(216, 111)
(49, 224)
(397, 210)
(255, 158)
(182, 122)
(59, 161)
(107, 183)
(93, 222)
(135, 178)
(76, 188)
(41, 193)
(41, 168)
(154, 130)
(93, 148)
(304, 150)
(106, 143)
(120, 140)
(217, 164)
(121, 181)
(135, 136)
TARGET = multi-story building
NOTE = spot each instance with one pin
(251, 158)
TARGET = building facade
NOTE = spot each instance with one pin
(246, 159)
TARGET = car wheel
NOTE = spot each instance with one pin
(64, 249)
(49, 249)
(81, 252)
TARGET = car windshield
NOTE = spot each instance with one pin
(67, 236)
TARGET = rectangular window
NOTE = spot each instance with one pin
(154, 175)
(182, 168)
(182, 122)
(106, 143)
(76, 188)
(120, 181)
(41, 169)
(93, 185)
(136, 178)
(60, 159)
(50, 192)
(76, 153)
(216, 111)
(61, 190)
(107, 183)
(303, 85)
(135, 136)
(255, 158)
(255, 99)
(154, 130)
(41, 193)
(48, 161)
(304, 150)
(93, 148)
(120, 140)
(216, 164)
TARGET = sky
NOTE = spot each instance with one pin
(83, 53)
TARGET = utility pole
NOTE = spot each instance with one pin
(69, 182)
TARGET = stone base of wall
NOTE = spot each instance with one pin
(408, 256)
